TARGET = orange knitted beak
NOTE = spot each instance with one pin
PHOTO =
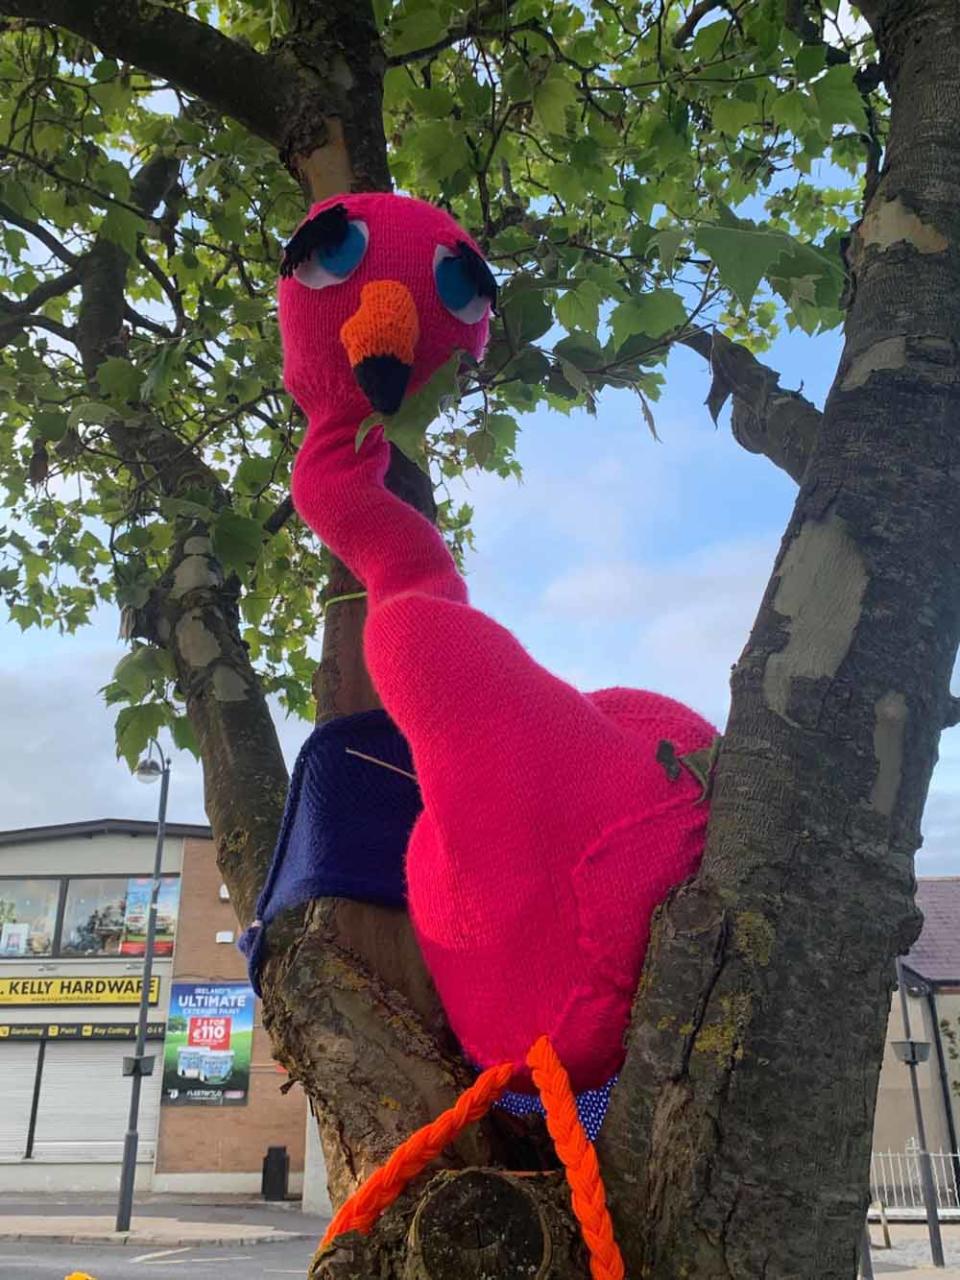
(380, 340)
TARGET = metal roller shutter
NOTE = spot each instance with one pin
(84, 1102)
(18, 1064)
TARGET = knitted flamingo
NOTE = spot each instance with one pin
(550, 829)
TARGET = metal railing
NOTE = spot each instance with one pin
(895, 1180)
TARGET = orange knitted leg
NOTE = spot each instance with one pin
(579, 1159)
(365, 1206)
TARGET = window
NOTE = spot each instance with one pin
(107, 916)
(28, 917)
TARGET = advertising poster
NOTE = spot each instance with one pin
(14, 938)
(206, 1055)
(137, 914)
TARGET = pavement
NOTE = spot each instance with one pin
(161, 1221)
(909, 1258)
(200, 1237)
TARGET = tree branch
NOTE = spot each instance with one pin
(689, 24)
(279, 516)
(479, 24)
(193, 55)
(9, 328)
(782, 425)
(47, 289)
(38, 232)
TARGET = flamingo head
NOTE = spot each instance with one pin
(376, 292)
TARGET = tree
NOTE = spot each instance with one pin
(641, 175)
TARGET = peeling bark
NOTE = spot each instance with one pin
(767, 982)
(740, 1131)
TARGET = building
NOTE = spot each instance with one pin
(931, 973)
(73, 912)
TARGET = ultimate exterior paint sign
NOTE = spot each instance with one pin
(206, 1056)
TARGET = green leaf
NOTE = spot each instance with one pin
(94, 412)
(653, 314)
(525, 313)
(667, 243)
(49, 424)
(254, 473)
(407, 428)
(481, 447)
(579, 307)
(417, 31)
(839, 98)
(794, 110)
(105, 69)
(516, 83)
(581, 349)
(122, 227)
(810, 60)
(707, 41)
(119, 379)
(742, 255)
(184, 738)
(574, 375)
(237, 540)
(137, 671)
(160, 372)
(503, 427)
(441, 147)
(135, 726)
(731, 116)
(551, 98)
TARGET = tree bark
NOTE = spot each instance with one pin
(737, 1142)
(740, 1131)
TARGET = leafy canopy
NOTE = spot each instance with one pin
(632, 173)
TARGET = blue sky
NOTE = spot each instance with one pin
(617, 560)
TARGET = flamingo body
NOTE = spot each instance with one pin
(549, 831)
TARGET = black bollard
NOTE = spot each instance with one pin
(276, 1174)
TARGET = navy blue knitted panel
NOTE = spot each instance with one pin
(346, 823)
(591, 1106)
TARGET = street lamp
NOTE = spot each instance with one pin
(148, 770)
(912, 1053)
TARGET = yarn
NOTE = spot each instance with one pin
(547, 814)
(579, 1160)
(365, 1206)
(574, 1148)
(345, 827)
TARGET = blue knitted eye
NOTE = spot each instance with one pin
(330, 264)
(464, 282)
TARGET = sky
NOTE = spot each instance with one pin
(617, 560)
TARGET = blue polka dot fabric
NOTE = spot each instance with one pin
(591, 1106)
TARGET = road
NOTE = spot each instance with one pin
(36, 1260)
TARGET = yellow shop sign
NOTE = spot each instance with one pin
(75, 990)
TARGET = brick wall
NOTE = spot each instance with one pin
(224, 1139)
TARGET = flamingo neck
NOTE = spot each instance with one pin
(339, 490)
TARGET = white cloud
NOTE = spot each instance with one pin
(57, 756)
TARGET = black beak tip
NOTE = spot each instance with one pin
(383, 380)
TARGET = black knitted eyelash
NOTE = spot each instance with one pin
(481, 277)
(327, 230)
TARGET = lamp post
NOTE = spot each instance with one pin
(141, 1064)
(912, 1053)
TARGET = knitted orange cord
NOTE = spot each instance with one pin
(365, 1206)
(579, 1159)
(574, 1148)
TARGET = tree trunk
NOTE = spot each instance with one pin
(737, 1142)
(740, 1131)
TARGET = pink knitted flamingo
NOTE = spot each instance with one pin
(550, 831)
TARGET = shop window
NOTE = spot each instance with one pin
(28, 917)
(107, 916)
